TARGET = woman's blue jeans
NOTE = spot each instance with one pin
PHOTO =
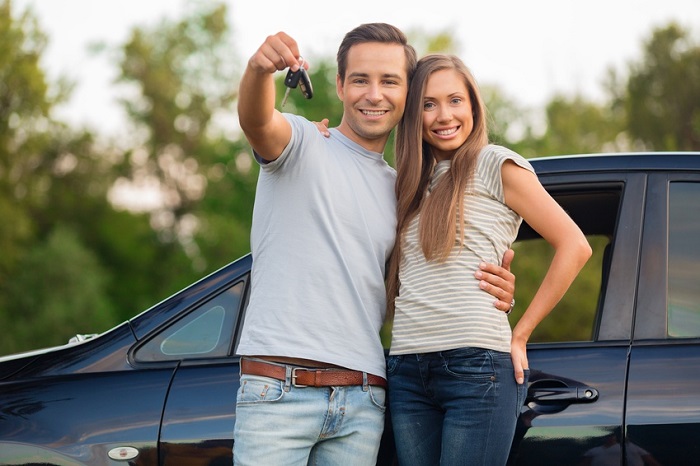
(456, 407)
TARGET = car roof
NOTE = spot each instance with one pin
(627, 161)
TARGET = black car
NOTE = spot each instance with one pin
(615, 369)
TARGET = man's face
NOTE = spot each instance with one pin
(373, 93)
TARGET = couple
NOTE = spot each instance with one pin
(326, 234)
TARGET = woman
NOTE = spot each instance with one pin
(452, 391)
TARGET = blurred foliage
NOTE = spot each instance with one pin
(23, 105)
(573, 318)
(79, 257)
(68, 287)
(662, 99)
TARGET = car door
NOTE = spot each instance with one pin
(578, 356)
(663, 405)
(199, 412)
(83, 405)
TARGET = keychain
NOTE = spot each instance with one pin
(298, 78)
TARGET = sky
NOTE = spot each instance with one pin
(530, 49)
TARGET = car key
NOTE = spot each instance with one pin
(298, 78)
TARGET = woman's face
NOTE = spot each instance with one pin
(447, 113)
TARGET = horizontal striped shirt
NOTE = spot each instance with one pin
(440, 305)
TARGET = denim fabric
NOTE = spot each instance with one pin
(278, 424)
(456, 407)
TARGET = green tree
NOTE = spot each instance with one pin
(425, 43)
(510, 124)
(53, 197)
(23, 107)
(578, 126)
(186, 88)
(181, 71)
(38, 163)
(224, 214)
(662, 100)
(58, 290)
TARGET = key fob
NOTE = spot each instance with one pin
(292, 78)
(300, 78)
(305, 84)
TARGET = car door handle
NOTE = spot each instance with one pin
(562, 394)
(549, 394)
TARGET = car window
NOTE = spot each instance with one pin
(200, 336)
(575, 318)
(684, 260)
(205, 332)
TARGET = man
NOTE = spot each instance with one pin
(324, 221)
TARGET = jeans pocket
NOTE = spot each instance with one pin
(392, 364)
(256, 389)
(470, 363)
(378, 396)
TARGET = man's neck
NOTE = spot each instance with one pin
(373, 145)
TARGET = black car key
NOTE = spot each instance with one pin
(298, 78)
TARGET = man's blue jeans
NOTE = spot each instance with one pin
(300, 426)
(456, 407)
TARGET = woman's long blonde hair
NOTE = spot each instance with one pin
(441, 212)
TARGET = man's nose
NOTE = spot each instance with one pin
(374, 93)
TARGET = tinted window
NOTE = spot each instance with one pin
(684, 260)
(205, 332)
(595, 211)
(199, 336)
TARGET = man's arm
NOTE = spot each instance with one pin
(499, 282)
(267, 131)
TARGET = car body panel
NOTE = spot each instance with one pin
(576, 425)
(663, 405)
(83, 416)
(199, 415)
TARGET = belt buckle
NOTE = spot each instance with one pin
(294, 377)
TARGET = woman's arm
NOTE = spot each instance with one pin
(525, 195)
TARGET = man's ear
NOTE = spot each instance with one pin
(339, 87)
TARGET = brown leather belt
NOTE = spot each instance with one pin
(309, 377)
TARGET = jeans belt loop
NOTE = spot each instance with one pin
(365, 384)
(288, 377)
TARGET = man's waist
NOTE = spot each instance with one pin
(307, 373)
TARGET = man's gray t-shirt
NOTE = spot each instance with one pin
(324, 225)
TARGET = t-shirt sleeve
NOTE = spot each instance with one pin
(491, 160)
(297, 124)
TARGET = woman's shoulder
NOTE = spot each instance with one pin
(498, 151)
(495, 155)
